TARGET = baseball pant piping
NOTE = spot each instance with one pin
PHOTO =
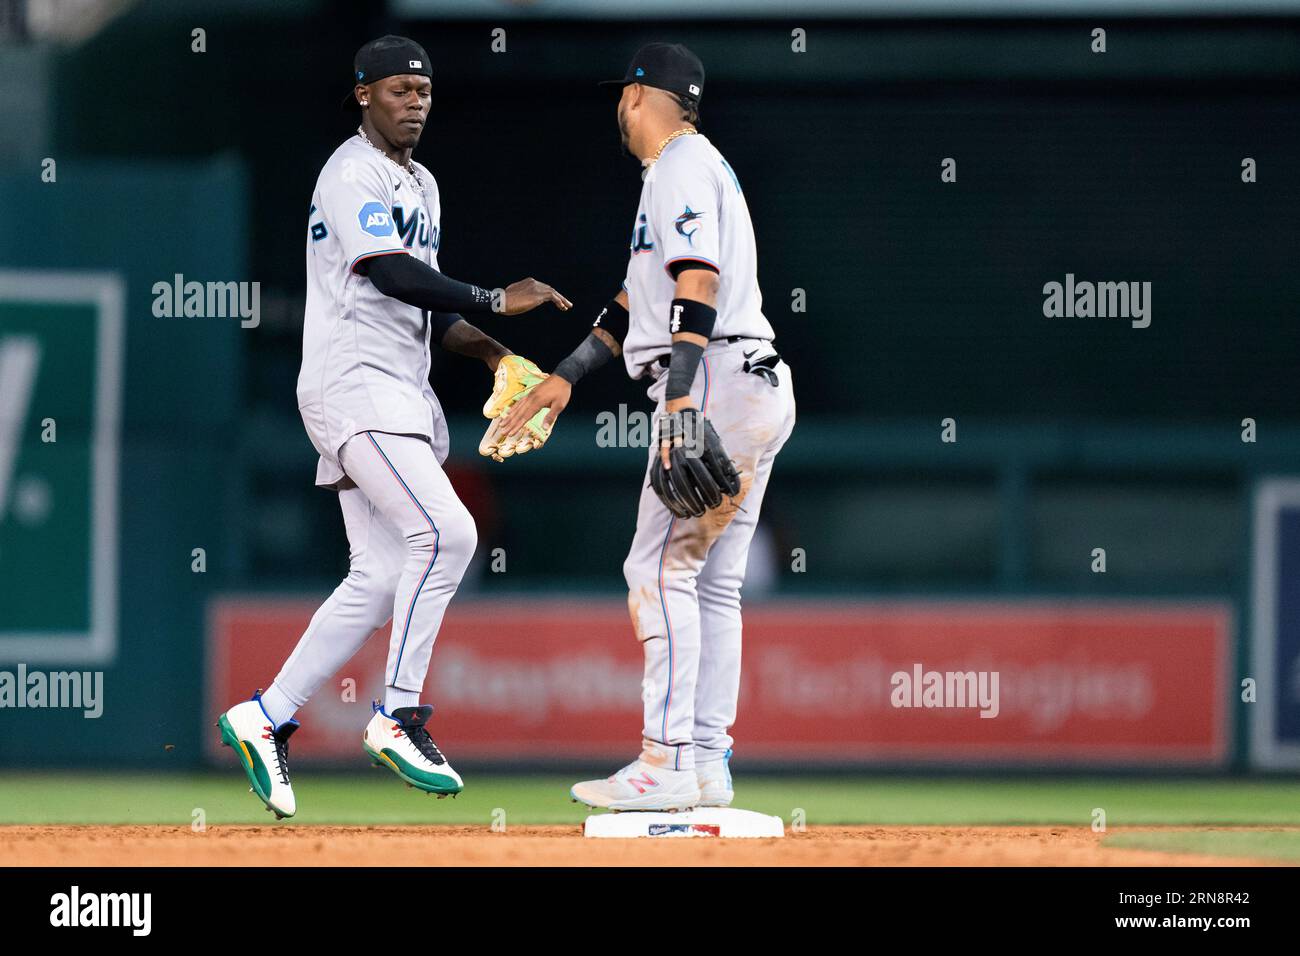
(411, 540)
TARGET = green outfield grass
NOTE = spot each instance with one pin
(375, 797)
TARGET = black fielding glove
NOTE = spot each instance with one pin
(701, 471)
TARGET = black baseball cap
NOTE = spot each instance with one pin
(388, 56)
(665, 66)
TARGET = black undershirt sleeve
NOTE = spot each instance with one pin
(407, 279)
(441, 322)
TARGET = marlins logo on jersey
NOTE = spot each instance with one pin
(684, 221)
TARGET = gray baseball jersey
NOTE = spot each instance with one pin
(691, 207)
(365, 356)
(684, 575)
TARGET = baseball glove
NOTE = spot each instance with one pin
(701, 471)
(515, 377)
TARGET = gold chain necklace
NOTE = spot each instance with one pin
(684, 131)
(409, 168)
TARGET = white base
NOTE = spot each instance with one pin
(702, 822)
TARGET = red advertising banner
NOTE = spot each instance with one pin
(925, 682)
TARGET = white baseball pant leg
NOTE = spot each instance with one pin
(717, 683)
(680, 596)
(410, 541)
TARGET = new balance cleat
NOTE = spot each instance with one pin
(715, 782)
(640, 786)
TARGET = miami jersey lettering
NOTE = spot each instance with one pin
(415, 227)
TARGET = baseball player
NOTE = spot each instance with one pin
(690, 319)
(375, 302)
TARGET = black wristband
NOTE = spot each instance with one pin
(687, 315)
(681, 369)
(613, 319)
(591, 353)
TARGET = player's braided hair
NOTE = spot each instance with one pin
(690, 110)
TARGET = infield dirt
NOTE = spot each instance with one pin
(289, 845)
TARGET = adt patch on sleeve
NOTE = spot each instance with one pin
(375, 219)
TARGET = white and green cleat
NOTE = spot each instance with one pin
(400, 742)
(263, 752)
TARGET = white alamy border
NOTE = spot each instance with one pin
(108, 292)
(1272, 497)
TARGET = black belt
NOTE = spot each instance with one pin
(666, 358)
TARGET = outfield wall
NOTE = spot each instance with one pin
(1061, 684)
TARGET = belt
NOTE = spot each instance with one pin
(664, 360)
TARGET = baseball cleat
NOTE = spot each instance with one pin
(400, 743)
(263, 752)
(715, 782)
(640, 786)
